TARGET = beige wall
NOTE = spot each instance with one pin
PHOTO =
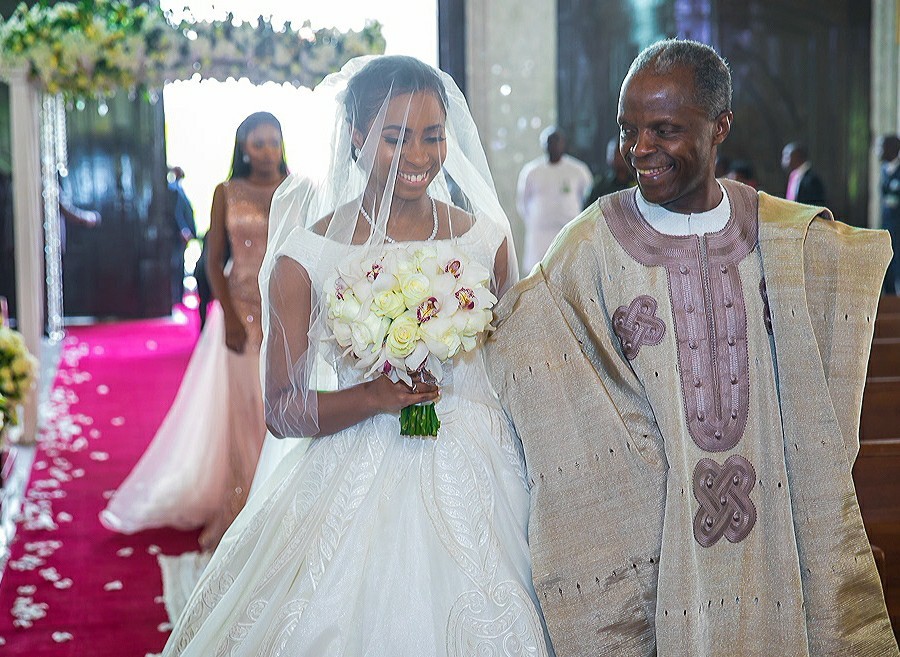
(511, 86)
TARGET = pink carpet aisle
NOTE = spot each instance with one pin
(71, 587)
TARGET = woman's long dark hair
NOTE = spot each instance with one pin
(240, 168)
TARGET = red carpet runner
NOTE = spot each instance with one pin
(72, 587)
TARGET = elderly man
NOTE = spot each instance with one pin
(685, 369)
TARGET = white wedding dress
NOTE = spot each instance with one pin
(371, 543)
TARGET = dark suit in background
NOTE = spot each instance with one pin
(804, 185)
(889, 154)
(811, 190)
(182, 213)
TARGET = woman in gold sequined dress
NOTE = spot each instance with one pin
(198, 469)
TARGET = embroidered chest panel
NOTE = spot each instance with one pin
(710, 318)
(710, 330)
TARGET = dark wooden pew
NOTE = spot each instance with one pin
(877, 478)
(887, 319)
(887, 326)
(885, 358)
(889, 305)
(876, 472)
(880, 409)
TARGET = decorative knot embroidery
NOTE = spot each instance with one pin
(638, 325)
(724, 495)
(767, 314)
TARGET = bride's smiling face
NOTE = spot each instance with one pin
(415, 123)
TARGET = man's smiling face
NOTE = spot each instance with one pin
(668, 140)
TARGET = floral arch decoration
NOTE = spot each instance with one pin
(96, 47)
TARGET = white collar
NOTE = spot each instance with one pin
(674, 223)
(891, 167)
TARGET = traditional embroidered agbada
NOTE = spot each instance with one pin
(689, 408)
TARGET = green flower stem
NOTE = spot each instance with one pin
(419, 421)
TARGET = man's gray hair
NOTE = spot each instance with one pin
(712, 78)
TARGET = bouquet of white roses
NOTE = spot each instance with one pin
(17, 371)
(406, 312)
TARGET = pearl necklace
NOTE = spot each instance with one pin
(388, 238)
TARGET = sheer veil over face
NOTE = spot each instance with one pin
(405, 164)
(417, 122)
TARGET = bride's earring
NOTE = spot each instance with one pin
(246, 159)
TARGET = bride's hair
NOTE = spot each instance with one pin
(388, 76)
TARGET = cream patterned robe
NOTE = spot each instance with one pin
(689, 408)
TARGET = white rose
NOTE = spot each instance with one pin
(425, 258)
(402, 336)
(405, 264)
(476, 322)
(415, 288)
(389, 304)
(368, 332)
(470, 325)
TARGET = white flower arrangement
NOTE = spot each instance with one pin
(408, 311)
(96, 47)
(17, 373)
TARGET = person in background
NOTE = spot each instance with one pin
(890, 206)
(197, 471)
(77, 216)
(616, 178)
(185, 230)
(804, 184)
(549, 194)
(742, 171)
(71, 214)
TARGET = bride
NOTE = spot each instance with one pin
(373, 543)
